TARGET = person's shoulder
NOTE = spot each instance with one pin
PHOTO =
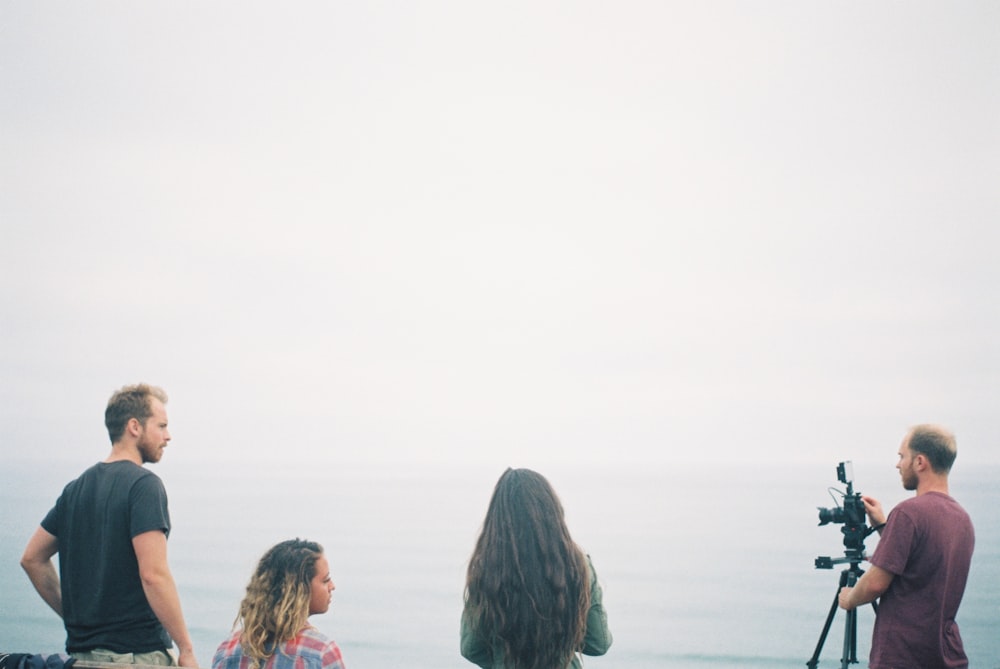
(139, 482)
(911, 508)
(116, 468)
(931, 499)
(91, 473)
(130, 471)
(149, 475)
(946, 505)
(229, 653)
(928, 506)
(312, 633)
(311, 639)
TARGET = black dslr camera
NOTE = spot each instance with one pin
(851, 514)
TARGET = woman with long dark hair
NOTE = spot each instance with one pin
(532, 600)
(272, 631)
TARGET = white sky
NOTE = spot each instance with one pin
(511, 232)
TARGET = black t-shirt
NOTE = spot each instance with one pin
(95, 519)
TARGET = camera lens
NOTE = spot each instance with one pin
(834, 515)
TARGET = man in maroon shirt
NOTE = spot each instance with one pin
(921, 564)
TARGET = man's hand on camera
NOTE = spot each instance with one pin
(874, 510)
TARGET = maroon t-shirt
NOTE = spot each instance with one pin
(927, 545)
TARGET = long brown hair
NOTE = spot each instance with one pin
(527, 586)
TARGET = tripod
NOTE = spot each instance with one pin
(848, 578)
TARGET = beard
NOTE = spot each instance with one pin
(149, 451)
(909, 479)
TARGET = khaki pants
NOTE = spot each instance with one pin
(157, 657)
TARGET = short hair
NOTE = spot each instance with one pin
(936, 444)
(130, 402)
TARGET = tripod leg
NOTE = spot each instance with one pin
(850, 638)
(850, 655)
(814, 660)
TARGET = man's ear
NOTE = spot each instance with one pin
(134, 427)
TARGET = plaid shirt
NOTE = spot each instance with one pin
(308, 650)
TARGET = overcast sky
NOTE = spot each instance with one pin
(510, 231)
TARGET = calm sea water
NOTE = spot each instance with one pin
(703, 567)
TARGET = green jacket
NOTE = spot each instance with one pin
(488, 653)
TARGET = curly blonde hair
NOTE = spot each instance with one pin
(276, 606)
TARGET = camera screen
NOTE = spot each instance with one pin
(845, 471)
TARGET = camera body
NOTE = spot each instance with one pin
(851, 515)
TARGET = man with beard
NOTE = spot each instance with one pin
(921, 563)
(114, 590)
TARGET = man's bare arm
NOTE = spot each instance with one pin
(161, 591)
(869, 587)
(37, 562)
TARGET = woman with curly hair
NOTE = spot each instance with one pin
(291, 583)
(532, 600)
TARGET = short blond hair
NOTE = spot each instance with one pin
(130, 402)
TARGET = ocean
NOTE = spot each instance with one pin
(703, 566)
